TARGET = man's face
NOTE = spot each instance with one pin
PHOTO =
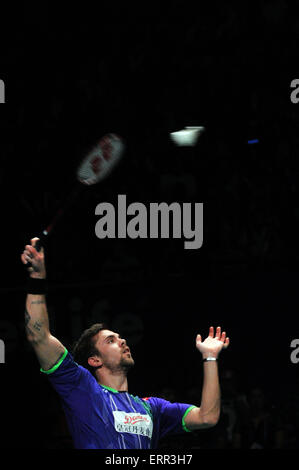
(114, 352)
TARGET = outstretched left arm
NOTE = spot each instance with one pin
(207, 415)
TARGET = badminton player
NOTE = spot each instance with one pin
(93, 381)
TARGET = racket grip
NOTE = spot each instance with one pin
(38, 247)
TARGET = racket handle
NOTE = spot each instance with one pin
(38, 246)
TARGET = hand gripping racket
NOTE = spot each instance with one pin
(93, 168)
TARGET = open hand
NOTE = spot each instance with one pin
(212, 346)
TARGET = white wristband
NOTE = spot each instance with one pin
(209, 359)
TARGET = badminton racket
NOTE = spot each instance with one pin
(94, 167)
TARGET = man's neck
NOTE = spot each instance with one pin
(118, 382)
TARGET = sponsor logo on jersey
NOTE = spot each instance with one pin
(134, 423)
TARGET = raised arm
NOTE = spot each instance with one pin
(208, 413)
(48, 349)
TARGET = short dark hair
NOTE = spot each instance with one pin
(85, 346)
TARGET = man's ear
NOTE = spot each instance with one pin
(95, 361)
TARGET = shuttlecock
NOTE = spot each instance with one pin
(188, 136)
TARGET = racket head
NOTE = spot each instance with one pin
(101, 160)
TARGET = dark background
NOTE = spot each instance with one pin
(71, 75)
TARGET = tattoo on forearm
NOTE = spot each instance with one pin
(37, 326)
(37, 302)
(27, 317)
